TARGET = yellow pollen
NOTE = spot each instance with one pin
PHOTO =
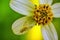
(43, 14)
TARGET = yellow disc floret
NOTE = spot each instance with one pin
(43, 14)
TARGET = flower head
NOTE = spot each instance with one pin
(39, 12)
(43, 14)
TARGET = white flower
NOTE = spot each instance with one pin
(41, 12)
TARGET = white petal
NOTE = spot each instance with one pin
(22, 24)
(49, 32)
(22, 6)
(56, 10)
(47, 35)
(46, 2)
(53, 31)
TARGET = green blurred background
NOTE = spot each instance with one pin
(8, 16)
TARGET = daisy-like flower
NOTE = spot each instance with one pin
(39, 12)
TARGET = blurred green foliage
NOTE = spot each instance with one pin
(8, 16)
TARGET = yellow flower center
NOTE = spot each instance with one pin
(43, 14)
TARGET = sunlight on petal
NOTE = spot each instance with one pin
(36, 2)
(35, 33)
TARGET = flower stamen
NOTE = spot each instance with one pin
(43, 14)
